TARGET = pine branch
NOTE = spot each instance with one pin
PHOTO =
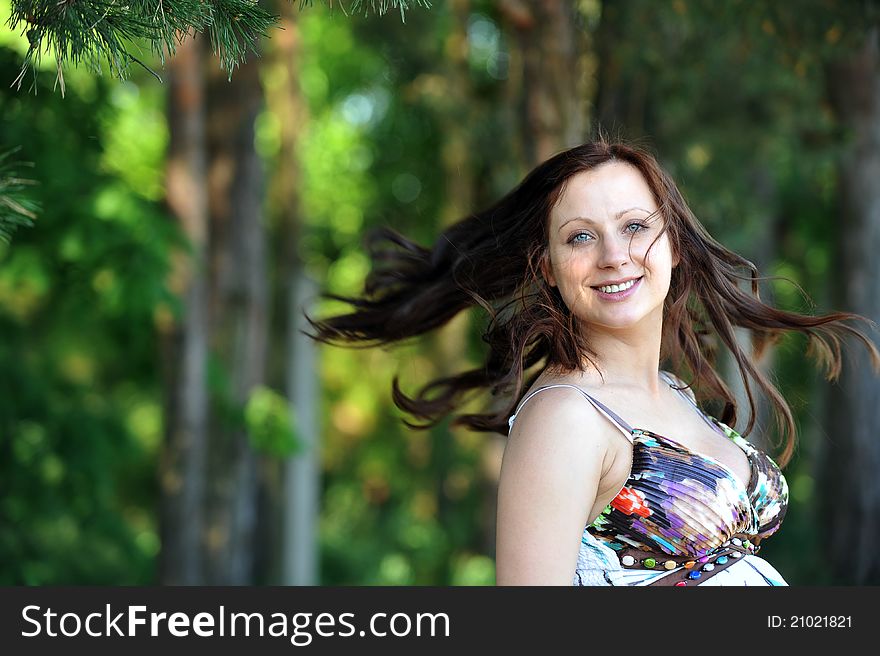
(16, 209)
(88, 32)
(380, 7)
(236, 28)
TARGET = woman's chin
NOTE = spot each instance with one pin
(617, 322)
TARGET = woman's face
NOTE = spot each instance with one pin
(600, 231)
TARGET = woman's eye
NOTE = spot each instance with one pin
(585, 237)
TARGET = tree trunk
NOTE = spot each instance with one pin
(550, 75)
(298, 500)
(302, 482)
(449, 343)
(239, 317)
(848, 483)
(185, 342)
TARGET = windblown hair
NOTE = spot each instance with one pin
(494, 259)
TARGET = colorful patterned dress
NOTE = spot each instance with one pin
(682, 518)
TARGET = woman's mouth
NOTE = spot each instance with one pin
(618, 292)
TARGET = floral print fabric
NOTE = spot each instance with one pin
(683, 503)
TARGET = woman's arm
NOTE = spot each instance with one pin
(550, 474)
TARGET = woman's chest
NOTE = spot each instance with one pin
(694, 435)
(657, 457)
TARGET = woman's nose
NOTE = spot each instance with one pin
(614, 251)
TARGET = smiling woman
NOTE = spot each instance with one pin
(598, 263)
(597, 276)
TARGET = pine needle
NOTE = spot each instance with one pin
(93, 32)
(16, 207)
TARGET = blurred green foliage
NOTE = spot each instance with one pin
(267, 419)
(79, 398)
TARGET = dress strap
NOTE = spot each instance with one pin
(609, 414)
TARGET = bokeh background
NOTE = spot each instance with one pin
(162, 420)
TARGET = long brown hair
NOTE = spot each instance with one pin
(493, 259)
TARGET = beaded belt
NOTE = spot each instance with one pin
(687, 570)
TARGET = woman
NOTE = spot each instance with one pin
(594, 272)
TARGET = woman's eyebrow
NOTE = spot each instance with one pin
(617, 216)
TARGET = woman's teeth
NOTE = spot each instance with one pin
(610, 289)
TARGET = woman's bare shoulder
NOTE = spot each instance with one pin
(553, 464)
(553, 399)
(560, 395)
(565, 418)
(561, 422)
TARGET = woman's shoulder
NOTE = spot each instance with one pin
(554, 399)
(560, 462)
(551, 470)
(555, 414)
(557, 399)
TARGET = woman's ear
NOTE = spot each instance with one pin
(547, 269)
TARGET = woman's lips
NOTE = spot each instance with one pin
(619, 296)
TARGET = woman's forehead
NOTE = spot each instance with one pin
(603, 193)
